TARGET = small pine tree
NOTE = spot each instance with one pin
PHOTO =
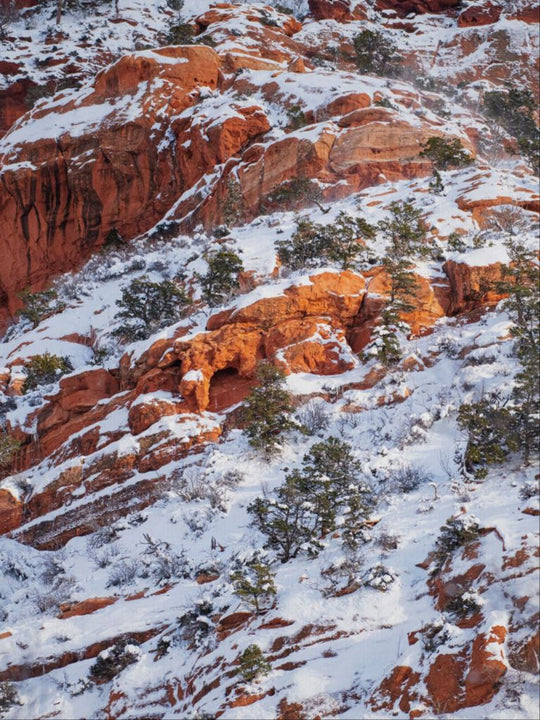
(403, 287)
(287, 520)
(39, 305)
(514, 109)
(330, 480)
(405, 231)
(253, 664)
(149, 306)
(304, 249)
(445, 154)
(221, 280)
(44, 369)
(254, 583)
(343, 239)
(9, 446)
(457, 532)
(491, 432)
(521, 282)
(268, 409)
(375, 54)
(8, 696)
(436, 185)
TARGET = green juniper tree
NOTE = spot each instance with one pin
(39, 305)
(221, 280)
(268, 410)
(313, 244)
(514, 108)
(287, 520)
(375, 54)
(406, 232)
(314, 500)
(446, 154)
(148, 306)
(491, 434)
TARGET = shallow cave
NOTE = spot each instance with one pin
(227, 388)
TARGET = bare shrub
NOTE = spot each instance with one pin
(123, 573)
(313, 417)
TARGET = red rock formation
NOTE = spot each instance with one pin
(480, 15)
(11, 511)
(399, 685)
(339, 10)
(404, 7)
(85, 607)
(12, 98)
(472, 286)
(58, 207)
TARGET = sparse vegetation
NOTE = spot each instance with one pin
(9, 447)
(8, 696)
(514, 109)
(491, 434)
(44, 369)
(297, 117)
(457, 532)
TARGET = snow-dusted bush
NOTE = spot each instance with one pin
(407, 478)
(8, 696)
(492, 435)
(435, 634)
(196, 625)
(123, 573)
(379, 577)
(376, 54)
(457, 532)
(163, 563)
(466, 602)
(39, 305)
(221, 279)
(445, 154)
(112, 661)
(9, 447)
(313, 244)
(44, 369)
